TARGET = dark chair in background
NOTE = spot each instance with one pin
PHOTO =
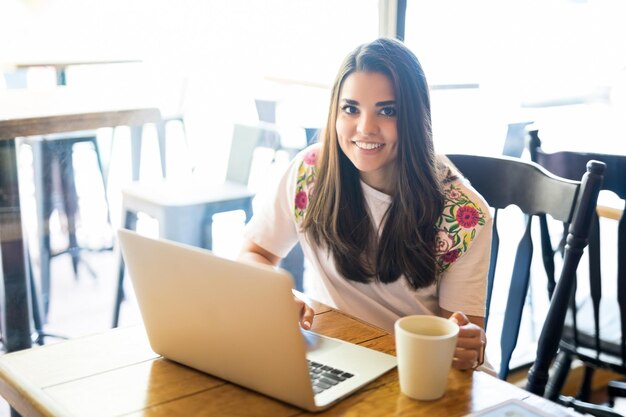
(596, 329)
(185, 209)
(508, 181)
(505, 181)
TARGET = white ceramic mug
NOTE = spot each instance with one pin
(425, 348)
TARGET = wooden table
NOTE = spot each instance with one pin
(116, 373)
(610, 206)
(26, 113)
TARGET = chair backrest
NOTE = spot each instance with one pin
(514, 142)
(505, 181)
(14, 79)
(266, 109)
(606, 350)
(244, 142)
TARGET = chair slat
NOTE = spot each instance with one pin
(516, 298)
(595, 278)
(547, 254)
(495, 246)
(621, 281)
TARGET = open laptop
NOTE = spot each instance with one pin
(239, 322)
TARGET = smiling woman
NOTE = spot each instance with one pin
(367, 206)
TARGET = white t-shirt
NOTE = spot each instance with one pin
(463, 250)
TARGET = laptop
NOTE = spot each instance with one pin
(239, 322)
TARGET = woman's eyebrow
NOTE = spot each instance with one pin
(385, 103)
(349, 101)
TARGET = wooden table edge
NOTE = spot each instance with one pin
(10, 129)
(609, 212)
(37, 403)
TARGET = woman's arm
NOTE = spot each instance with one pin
(470, 345)
(250, 251)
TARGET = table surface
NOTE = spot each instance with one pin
(116, 373)
(63, 109)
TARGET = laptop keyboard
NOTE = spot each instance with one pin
(324, 376)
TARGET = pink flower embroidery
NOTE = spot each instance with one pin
(451, 256)
(311, 157)
(467, 216)
(302, 199)
(443, 242)
(453, 194)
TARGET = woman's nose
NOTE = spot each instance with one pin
(367, 124)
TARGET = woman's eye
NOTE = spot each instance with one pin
(349, 109)
(389, 111)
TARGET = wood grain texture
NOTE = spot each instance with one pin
(29, 113)
(43, 125)
(613, 213)
(116, 373)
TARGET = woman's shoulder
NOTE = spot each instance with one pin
(465, 213)
(308, 156)
(306, 163)
(454, 184)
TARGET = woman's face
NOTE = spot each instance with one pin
(366, 127)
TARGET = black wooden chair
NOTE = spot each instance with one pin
(596, 329)
(505, 181)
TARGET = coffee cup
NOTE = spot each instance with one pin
(424, 347)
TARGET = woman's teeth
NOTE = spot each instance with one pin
(368, 145)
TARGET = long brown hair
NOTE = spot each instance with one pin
(337, 217)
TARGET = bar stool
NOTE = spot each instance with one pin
(55, 188)
(184, 209)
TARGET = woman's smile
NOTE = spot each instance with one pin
(368, 146)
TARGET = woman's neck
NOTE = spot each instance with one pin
(385, 182)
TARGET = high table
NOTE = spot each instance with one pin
(60, 66)
(116, 373)
(27, 113)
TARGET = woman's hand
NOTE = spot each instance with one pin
(470, 344)
(306, 314)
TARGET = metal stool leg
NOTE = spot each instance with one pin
(161, 130)
(43, 160)
(70, 199)
(40, 334)
(136, 133)
(130, 223)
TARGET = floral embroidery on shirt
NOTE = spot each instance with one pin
(457, 226)
(304, 183)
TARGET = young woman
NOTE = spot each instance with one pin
(388, 226)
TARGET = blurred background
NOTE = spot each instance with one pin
(493, 67)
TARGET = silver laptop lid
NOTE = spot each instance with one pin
(233, 320)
